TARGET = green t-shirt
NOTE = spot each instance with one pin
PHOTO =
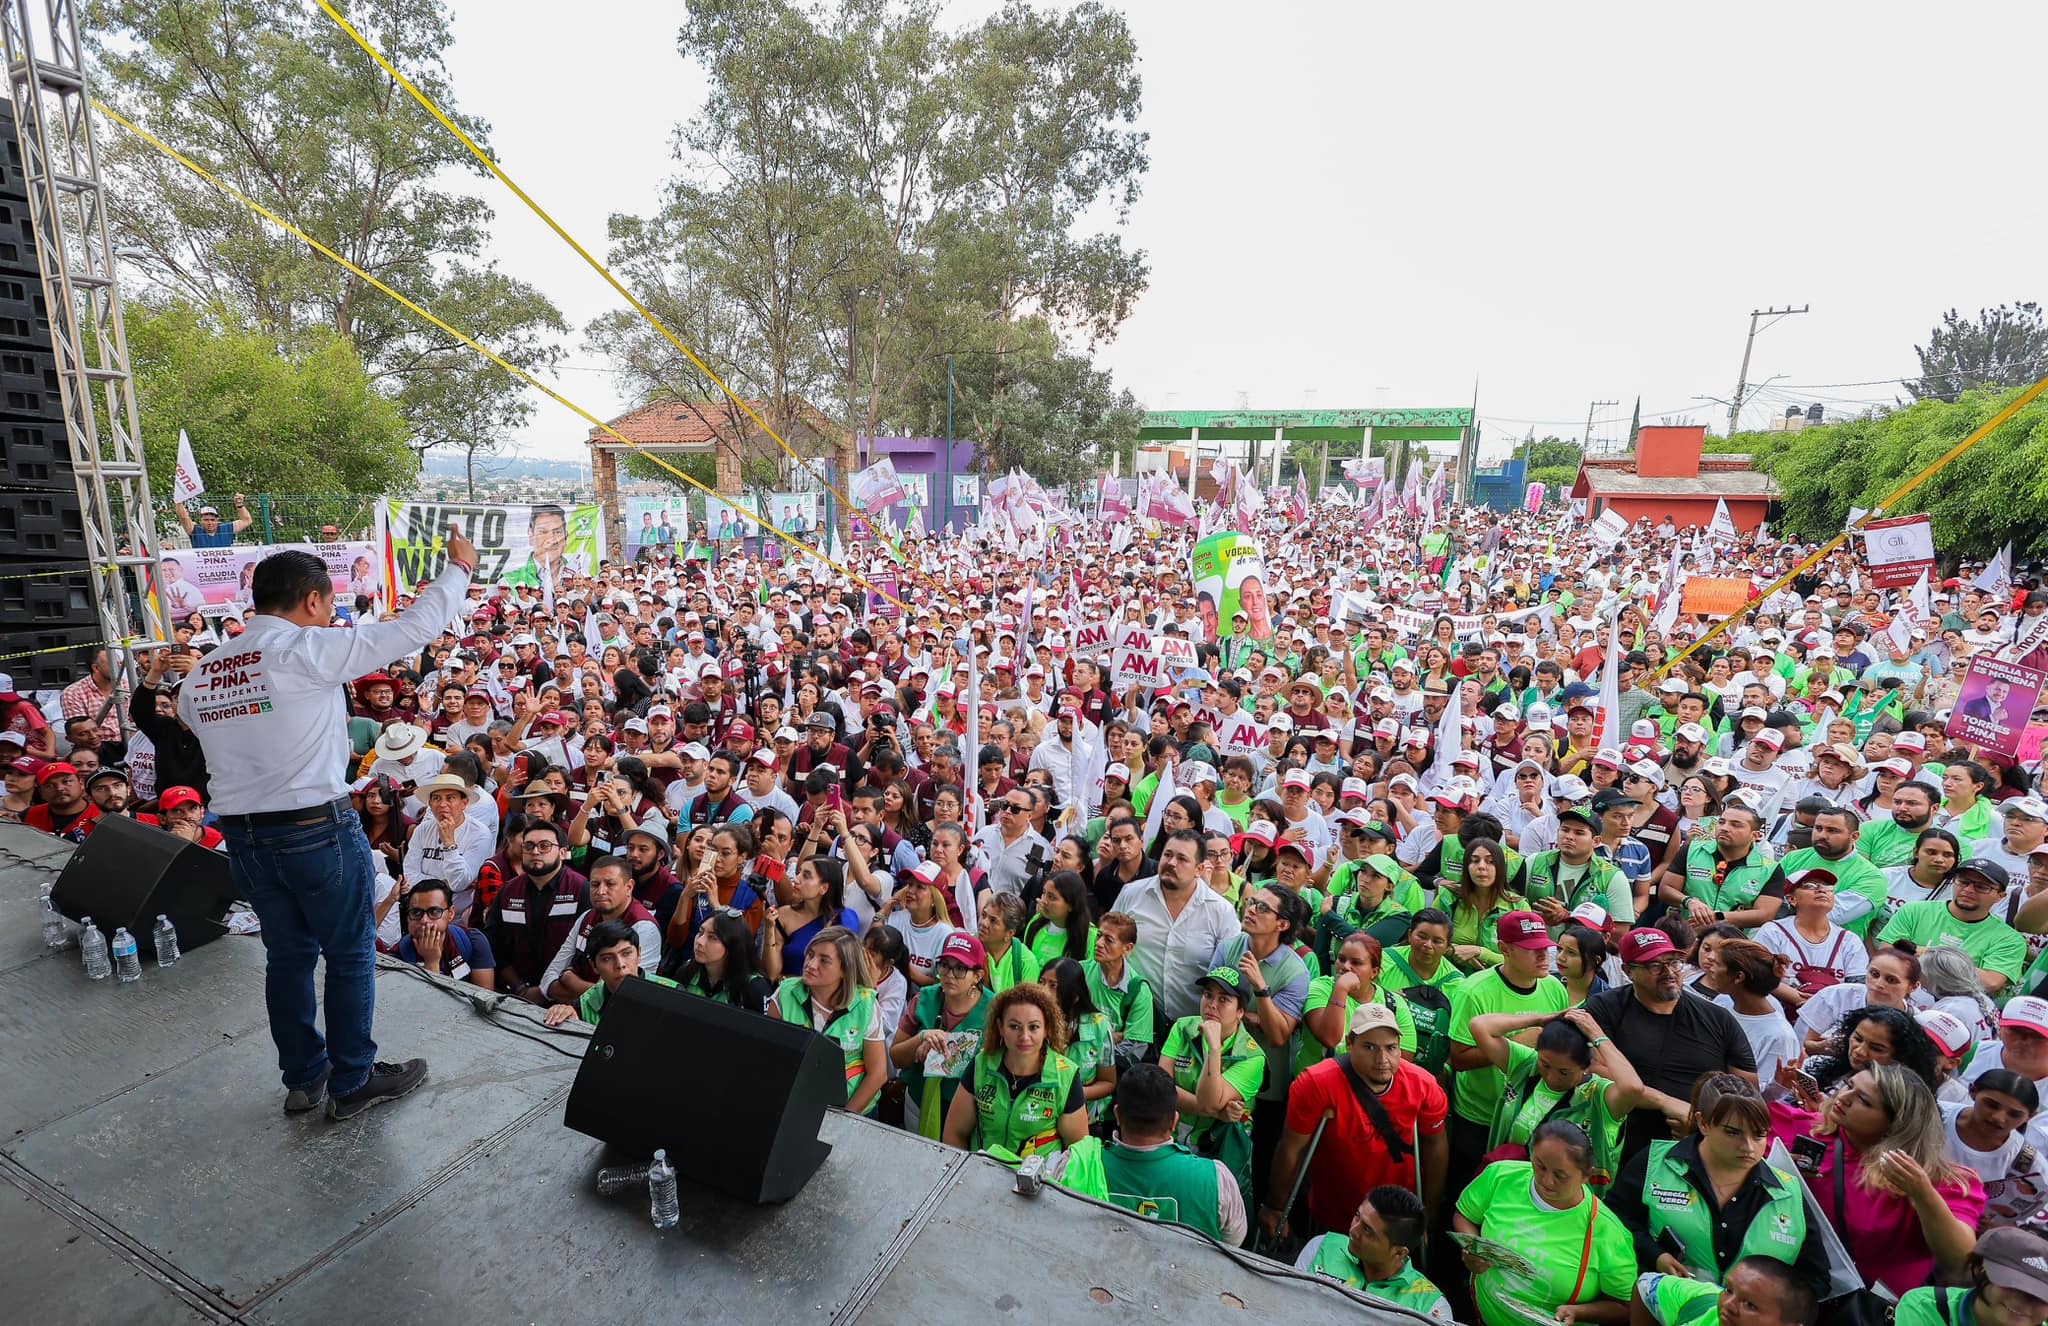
(1991, 943)
(1674, 1300)
(1502, 1202)
(1588, 1108)
(1885, 844)
(1922, 1307)
(1244, 1068)
(1475, 1093)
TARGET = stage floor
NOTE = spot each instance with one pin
(152, 1176)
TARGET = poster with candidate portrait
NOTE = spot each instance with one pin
(660, 524)
(1230, 576)
(726, 518)
(216, 581)
(1995, 705)
(795, 514)
(518, 544)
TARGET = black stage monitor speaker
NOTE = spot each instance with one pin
(128, 874)
(735, 1098)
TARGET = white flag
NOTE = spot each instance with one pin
(1610, 689)
(1996, 578)
(1723, 527)
(185, 481)
(1914, 609)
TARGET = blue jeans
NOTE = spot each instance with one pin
(312, 886)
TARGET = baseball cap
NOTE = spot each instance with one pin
(1580, 815)
(1988, 868)
(1609, 757)
(1118, 770)
(106, 772)
(1258, 831)
(2015, 1258)
(1197, 771)
(1771, 737)
(1691, 732)
(1522, 930)
(1612, 799)
(1946, 1028)
(1229, 979)
(1356, 787)
(1280, 722)
(1297, 778)
(1570, 787)
(2027, 1011)
(1372, 1016)
(1387, 727)
(1645, 944)
(964, 949)
(54, 769)
(1909, 741)
(694, 750)
(1302, 848)
(635, 725)
(787, 733)
(1590, 914)
(655, 711)
(2031, 807)
(822, 721)
(763, 757)
(1649, 771)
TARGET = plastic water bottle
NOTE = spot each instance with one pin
(661, 1192)
(166, 942)
(93, 945)
(615, 1179)
(56, 934)
(127, 964)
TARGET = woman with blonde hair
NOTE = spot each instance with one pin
(835, 996)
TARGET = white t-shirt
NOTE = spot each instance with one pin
(1771, 1038)
(1820, 1014)
(923, 943)
(1840, 950)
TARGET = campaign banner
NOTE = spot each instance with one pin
(727, 518)
(1420, 622)
(1609, 528)
(795, 514)
(917, 489)
(1714, 596)
(1093, 637)
(1175, 651)
(1898, 549)
(1995, 705)
(881, 595)
(534, 545)
(216, 581)
(657, 523)
(1230, 575)
(1534, 500)
(1240, 734)
(1134, 663)
(877, 487)
(967, 490)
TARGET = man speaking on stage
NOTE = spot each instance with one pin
(270, 714)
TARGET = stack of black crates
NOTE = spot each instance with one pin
(46, 598)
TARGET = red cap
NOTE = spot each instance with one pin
(1523, 930)
(964, 949)
(741, 729)
(1645, 944)
(173, 797)
(54, 769)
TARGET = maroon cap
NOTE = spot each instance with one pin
(964, 949)
(1647, 944)
(1522, 930)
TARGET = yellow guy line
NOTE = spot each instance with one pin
(512, 368)
(1892, 499)
(428, 105)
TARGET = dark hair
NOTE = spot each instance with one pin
(1576, 1144)
(1561, 1037)
(1912, 1048)
(613, 862)
(1492, 850)
(551, 826)
(544, 509)
(605, 934)
(1402, 1213)
(1070, 987)
(1146, 1099)
(286, 579)
(1431, 916)
(1592, 944)
(2008, 1083)
(1073, 890)
(832, 874)
(1796, 1302)
(679, 962)
(429, 886)
(1760, 970)
(895, 953)
(1295, 915)
(1009, 907)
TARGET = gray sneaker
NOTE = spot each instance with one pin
(303, 1100)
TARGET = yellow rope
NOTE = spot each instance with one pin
(522, 374)
(1891, 500)
(427, 103)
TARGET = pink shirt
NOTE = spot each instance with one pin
(1881, 1231)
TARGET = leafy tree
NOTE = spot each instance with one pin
(306, 422)
(1557, 478)
(282, 105)
(1996, 491)
(1551, 453)
(2001, 347)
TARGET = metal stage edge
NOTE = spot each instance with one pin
(151, 1176)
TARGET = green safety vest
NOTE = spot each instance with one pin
(1408, 1289)
(1853, 874)
(1453, 860)
(1017, 966)
(1584, 1107)
(1540, 880)
(1741, 885)
(1027, 1122)
(1166, 1183)
(849, 1030)
(1084, 1046)
(1123, 1008)
(933, 1096)
(1429, 1006)
(1778, 1231)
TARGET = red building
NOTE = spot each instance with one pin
(1669, 474)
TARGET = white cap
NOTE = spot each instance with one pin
(1118, 770)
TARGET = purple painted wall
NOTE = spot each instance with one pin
(927, 456)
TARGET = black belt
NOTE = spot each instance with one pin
(326, 810)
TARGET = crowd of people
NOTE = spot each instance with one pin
(1460, 983)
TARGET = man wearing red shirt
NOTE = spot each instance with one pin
(64, 810)
(180, 811)
(1357, 1154)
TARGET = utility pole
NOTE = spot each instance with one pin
(1586, 447)
(1742, 377)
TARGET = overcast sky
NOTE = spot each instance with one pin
(1354, 205)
